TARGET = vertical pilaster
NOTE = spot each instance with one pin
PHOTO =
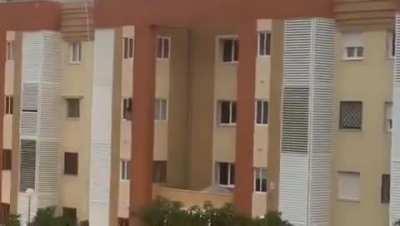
(143, 121)
(245, 117)
(2, 99)
(274, 139)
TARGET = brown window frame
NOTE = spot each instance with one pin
(71, 158)
(7, 159)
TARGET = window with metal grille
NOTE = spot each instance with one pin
(4, 213)
(10, 51)
(227, 112)
(125, 170)
(159, 171)
(163, 47)
(350, 115)
(123, 222)
(226, 174)
(127, 109)
(264, 43)
(75, 52)
(128, 47)
(230, 50)
(260, 179)
(388, 116)
(385, 189)
(73, 107)
(9, 105)
(160, 109)
(262, 112)
(7, 159)
(71, 163)
(70, 215)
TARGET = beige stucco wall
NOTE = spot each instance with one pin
(365, 151)
(77, 82)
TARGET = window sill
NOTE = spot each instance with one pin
(75, 63)
(348, 200)
(262, 125)
(163, 59)
(264, 56)
(349, 130)
(234, 63)
(260, 192)
(221, 125)
(71, 119)
(349, 59)
(70, 175)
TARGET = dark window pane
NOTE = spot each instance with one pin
(262, 44)
(159, 48)
(265, 112)
(73, 110)
(268, 44)
(7, 159)
(236, 46)
(166, 48)
(228, 50)
(232, 174)
(258, 183)
(259, 112)
(159, 171)
(385, 189)
(225, 112)
(131, 47)
(264, 185)
(233, 120)
(127, 109)
(223, 173)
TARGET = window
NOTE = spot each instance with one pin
(70, 163)
(349, 186)
(388, 116)
(76, 52)
(262, 112)
(127, 109)
(226, 174)
(123, 222)
(70, 214)
(227, 112)
(28, 165)
(10, 50)
(160, 171)
(353, 46)
(160, 109)
(9, 105)
(73, 108)
(264, 43)
(4, 213)
(163, 47)
(230, 50)
(391, 44)
(7, 159)
(260, 179)
(128, 48)
(350, 115)
(125, 170)
(385, 189)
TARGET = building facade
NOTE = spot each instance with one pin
(109, 104)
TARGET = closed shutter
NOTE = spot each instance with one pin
(71, 163)
(28, 164)
(6, 159)
(385, 189)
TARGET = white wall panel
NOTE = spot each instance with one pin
(307, 120)
(100, 160)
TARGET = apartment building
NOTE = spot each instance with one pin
(270, 105)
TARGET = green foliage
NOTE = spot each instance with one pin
(13, 220)
(167, 213)
(47, 217)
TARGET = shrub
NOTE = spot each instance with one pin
(167, 213)
(13, 220)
